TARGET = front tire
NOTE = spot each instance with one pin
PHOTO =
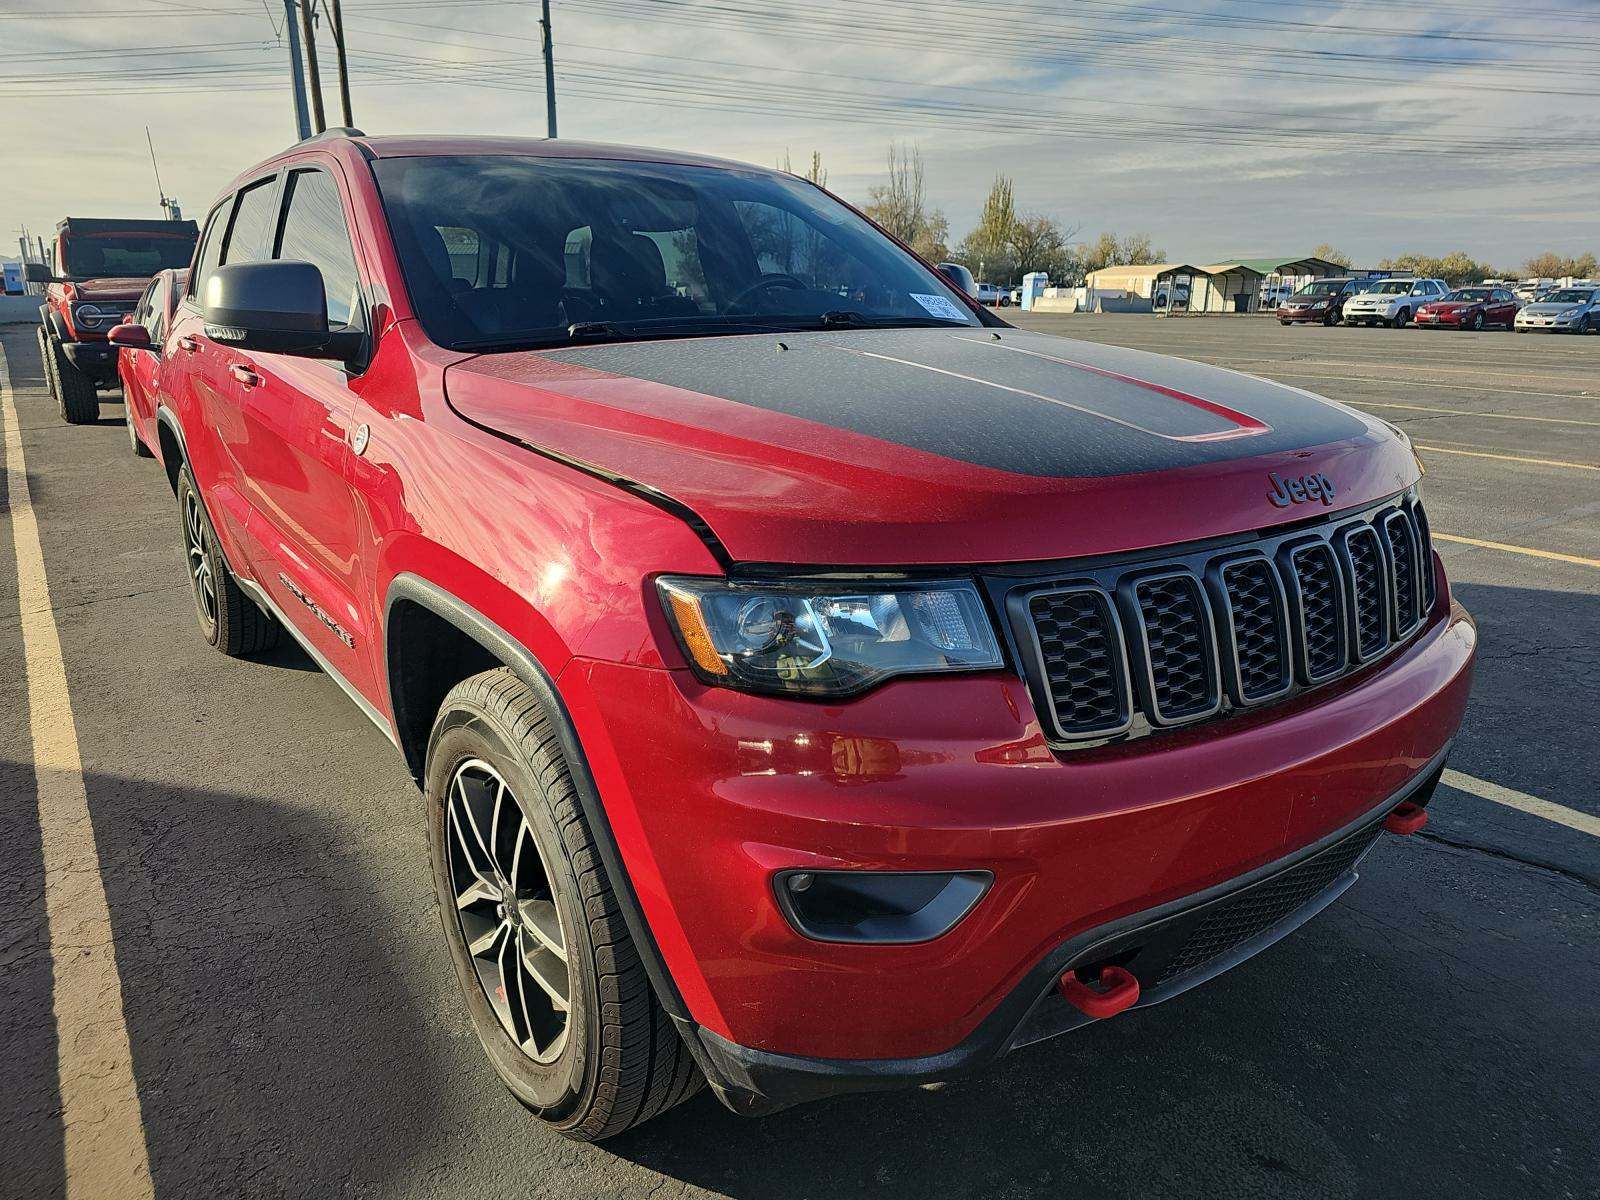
(1477, 322)
(75, 394)
(229, 620)
(554, 986)
(1400, 319)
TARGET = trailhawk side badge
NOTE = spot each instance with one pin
(1297, 491)
(334, 627)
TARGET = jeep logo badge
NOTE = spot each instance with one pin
(1297, 491)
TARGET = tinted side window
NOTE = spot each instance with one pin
(250, 237)
(314, 231)
(155, 317)
(211, 247)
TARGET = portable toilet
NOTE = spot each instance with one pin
(1033, 286)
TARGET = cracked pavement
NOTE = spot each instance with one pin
(294, 1024)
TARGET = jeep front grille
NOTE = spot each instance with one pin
(1130, 648)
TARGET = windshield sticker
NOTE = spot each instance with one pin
(938, 306)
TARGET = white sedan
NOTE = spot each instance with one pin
(1391, 302)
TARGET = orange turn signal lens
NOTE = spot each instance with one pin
(692, 629)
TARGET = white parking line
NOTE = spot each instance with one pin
(1463, 412)
(1559, 813)
(1434, 383)
(103, 1129)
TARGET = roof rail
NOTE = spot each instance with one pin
(333, 131)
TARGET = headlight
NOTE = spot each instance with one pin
(1572, 312)
(828, 639)
(1320, 304)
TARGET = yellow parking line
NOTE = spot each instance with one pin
(1528, 550)
(1434, 383)
(1559, 813)
(102, 1127)
(1543, 462)
(1462, 412)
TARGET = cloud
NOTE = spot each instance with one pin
(1232, 127)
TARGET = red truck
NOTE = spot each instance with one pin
(815, 683)
(101, 267)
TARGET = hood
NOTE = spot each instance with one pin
(1450, 305)
(1548, 308)
(902, 447)
(110, 288)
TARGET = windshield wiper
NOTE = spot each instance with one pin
(582, 331)
(840, 318)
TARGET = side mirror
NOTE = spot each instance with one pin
(130, 336)
(37, 273)
(274, 307)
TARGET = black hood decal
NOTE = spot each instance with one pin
(1026, 403)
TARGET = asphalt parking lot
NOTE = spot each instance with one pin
(294, 1025)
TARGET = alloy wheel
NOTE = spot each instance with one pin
(507, 910)
(197, 544)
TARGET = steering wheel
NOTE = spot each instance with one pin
(778, 279)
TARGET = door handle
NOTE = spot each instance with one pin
(244, 375)
(188, 343)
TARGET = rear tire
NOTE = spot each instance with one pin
(140, 450)
(229, 620)
(75, 394)
(613, 1058)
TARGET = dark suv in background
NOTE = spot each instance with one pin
(1321, 300)
(100, 269)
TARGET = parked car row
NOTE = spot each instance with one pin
(1433, 304)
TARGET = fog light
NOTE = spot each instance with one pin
(883, 907)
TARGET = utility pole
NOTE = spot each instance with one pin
(297, 79)
(344, 70)
(549, 72)
(309, 33)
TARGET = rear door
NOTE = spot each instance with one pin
(290, 441)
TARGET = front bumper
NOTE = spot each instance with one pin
(98, 358)
(1548, 322)
(1316, 315)
(1453, 319)
(711, 793)
(1169, 949)
(1354, 313)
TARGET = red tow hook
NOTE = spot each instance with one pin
(1120, 991)
(1407, 818)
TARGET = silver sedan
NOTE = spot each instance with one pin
(1566, 310)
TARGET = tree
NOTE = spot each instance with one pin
(1455, 268)
(901, 205)
(816, 173)
(1551, 265)
(1328, 254)
(1108, 250)
(1040, 244)
(991, 245)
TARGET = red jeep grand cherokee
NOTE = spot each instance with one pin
(816, 683)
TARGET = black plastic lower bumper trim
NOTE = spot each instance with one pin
(1174, 938)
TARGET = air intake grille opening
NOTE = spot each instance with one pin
(1320, 592)
(1177, 639)
(1081, 655)
(1402, 544)
(1260, 640)
(1370, 586)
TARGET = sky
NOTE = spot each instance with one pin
(1222, 128)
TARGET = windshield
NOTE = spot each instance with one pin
(128, 255)
(1323, 287)
(1568, 296)
(1468, 295)
(503, 251)
(1392, 287)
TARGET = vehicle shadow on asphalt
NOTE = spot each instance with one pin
(276, 1016)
